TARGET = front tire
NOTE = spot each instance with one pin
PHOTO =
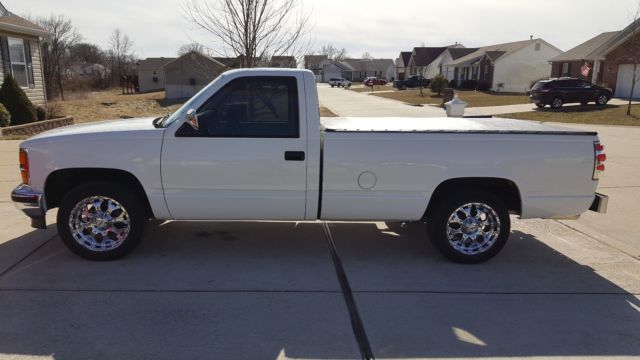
(469, 227)
(101, 221)
(602, 100)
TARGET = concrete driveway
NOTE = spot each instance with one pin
(350, 103)
(270, 290)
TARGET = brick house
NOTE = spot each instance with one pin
(570, 62)
(610, 57)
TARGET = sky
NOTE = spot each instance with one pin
(381, 28)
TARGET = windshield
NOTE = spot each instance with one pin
(188, 105)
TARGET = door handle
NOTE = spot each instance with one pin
(294, 155)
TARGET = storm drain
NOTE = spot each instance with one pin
(356, 322)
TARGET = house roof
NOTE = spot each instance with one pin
(616, 40)
(154, 63)
(283, 61)
(493, 51)
(423, 56)
(368, 64)
(585, 50)
(16, 24)
(206, 57)
(405, 56)
(457, 53)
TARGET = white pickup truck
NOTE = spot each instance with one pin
(251, 146)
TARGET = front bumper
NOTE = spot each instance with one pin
(31, 203)
(600, 203)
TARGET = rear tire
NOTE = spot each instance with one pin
(101, 221)
(469, 227)
(556, 103)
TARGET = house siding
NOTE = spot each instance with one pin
(190, 66)
(145, 78)
(36, 93)
(623, 54)
(519, 69)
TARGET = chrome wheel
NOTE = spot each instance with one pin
(99, 223)
(473, 228)
(556, 103)
(602, 100)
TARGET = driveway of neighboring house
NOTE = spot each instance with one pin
(350, 103)
(256, 290)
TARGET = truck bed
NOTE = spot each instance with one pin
(444, 125)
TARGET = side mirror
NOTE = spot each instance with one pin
(192, 119)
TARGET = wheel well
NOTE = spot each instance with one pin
(60, 182)
(504, 189)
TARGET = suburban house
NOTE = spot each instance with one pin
(313, 63)
(283, 62)
(509, 67)
(151, 75)
(356, 69)
(20, 53)
(402, 65)
(449, 55)
(189, 73)
(423, 60)
(571, 62)
(609, 59)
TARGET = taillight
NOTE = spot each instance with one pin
(600, 158)
(24, 166)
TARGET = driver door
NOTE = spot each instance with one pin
(246, 160)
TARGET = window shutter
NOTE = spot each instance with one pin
(6, 62)
(27, 54)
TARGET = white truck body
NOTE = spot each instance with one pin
(353, 168)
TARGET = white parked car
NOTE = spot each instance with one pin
(251, 146)
(339, 82)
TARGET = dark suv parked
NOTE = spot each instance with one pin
(556, 92)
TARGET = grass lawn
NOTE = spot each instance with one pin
(112, 104)
(324, 112)
(590, 114)
(471, 97)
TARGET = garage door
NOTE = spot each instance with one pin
(623, 84)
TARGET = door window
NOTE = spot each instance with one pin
(263, 106)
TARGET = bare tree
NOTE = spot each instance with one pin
(253, 30)
(120, 54)
(333, 53)
(634, 78)
(56, 50)
(366, 55)
(189, 47)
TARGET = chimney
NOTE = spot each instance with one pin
(530, 37)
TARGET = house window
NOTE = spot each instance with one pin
(485, 76)
(18, 61)
(565, 69)
(537, 47)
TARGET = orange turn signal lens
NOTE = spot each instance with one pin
(24, 166)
